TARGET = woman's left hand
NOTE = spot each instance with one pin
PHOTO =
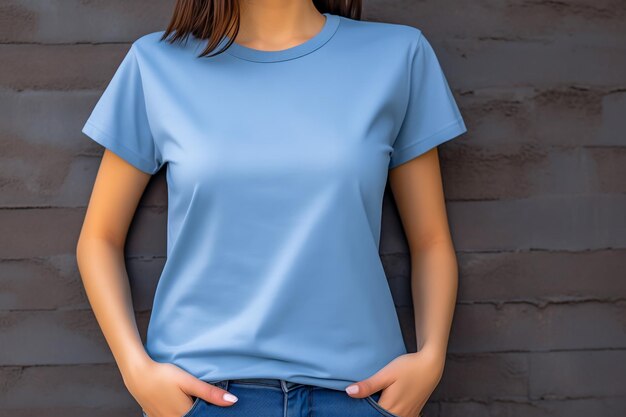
(407, 382)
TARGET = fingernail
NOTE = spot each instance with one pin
(230, 398)
(352, 389)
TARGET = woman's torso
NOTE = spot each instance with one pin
(276, 168)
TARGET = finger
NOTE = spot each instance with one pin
(209, 392)
(368, 386)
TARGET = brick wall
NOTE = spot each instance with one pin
(536, 196)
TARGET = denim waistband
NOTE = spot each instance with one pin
(282, 384)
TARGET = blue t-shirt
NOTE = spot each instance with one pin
(276, 165)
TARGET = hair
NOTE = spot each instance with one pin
(215, 19)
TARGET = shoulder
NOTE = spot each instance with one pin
(152, 49)
(148, 41)
(386, 34)
(155, 44)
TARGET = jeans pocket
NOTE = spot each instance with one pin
(373, 401)
(192, 409)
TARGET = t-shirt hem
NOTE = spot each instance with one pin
(104, 139)
(445, 134)
(329, 383)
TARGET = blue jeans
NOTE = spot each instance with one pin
(266, 397)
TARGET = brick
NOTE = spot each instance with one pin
(484, 377)
(59, 21)
(55, 338)
(398, 271)
(580, 115)
(476, 173)
(526, 327)
(581, 407)
(542, 277)
(93, 390)
(511, 20)
(613, 132)
(41, 284)
(559, 222)
(407, 325)
(587, 374)
(506, 119)
(610, 167)
(58, 67)
(496, 63)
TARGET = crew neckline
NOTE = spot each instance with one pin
(259, 55)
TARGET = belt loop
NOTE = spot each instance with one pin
(283, 385)
(223, 384)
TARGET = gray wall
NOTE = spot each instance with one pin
(536, 198)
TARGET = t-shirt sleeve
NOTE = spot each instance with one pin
(119, 120)
(432, 115)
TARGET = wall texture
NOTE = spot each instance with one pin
(536, 196)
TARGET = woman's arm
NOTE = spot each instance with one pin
(100, 257)
(417, 189)
(418, 192)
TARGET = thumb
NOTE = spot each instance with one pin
(368, 386)
(209, 392)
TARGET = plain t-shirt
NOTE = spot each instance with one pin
(276, 163)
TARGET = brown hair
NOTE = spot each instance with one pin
(214, 19)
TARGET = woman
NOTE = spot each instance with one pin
(273, 300)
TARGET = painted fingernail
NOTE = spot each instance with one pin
(352, 389)
(230, 398)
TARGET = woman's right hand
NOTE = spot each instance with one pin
(165, 390)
